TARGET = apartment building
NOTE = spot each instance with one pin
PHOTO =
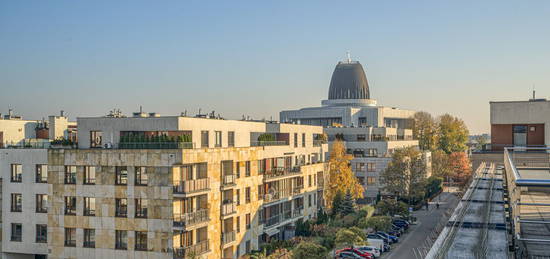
(370, 132)
(162, 187)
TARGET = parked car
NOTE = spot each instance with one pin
(363, 254)
(376, 236)
(394, 232)
(394, 239)
(401, 223)
(348, 255)
(369, 249)
(378, 243)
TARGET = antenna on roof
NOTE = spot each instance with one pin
(349, 56)
(534, 95)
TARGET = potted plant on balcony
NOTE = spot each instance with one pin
(62, 143)
(265, 138)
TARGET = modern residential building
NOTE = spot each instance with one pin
(371, 132)
(162, 187)
(520, 123)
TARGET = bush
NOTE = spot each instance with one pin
(346, 237)
(309, 250)
(433, 186)
(266, 137)
(392, 207)
(303, 228)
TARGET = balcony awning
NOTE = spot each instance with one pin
(272, 231)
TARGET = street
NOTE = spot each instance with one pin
(417, 235)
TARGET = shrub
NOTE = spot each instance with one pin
(381, 223)
(266, 137)
(309, 250)
(346, 237)
(392, 207)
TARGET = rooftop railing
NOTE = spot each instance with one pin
(268, 143)
(156, 145)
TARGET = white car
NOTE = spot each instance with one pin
(369, 249)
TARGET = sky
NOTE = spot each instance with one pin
(257, 58)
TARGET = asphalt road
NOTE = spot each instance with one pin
(426, 223)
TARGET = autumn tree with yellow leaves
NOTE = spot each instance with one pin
(341, 178)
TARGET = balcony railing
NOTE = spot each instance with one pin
(268, 143)
(194, 185)
(228, 237)
(191, 218)
(156, 145)
(281, 171)
(273, 220)
(228, 179)
(192, 250)
(298, 212)
(228, 208)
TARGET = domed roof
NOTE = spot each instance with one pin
(348, 82)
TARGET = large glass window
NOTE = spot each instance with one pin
(121, 175)
(121, 207)
(121, 239)
(141, 208)
(141, 175)
(231, 139)
(89, 206)
(70, 174)
(89, 174)
(70, 236)
(141, 240)
(16, 173)
(41, 233)
(218, 138)
(204, 138)
(41, 173)
(16, 202)
(16, 232)
(89, 238)
(96, 139)
(70, 205)
(42, 203)
(520, 135)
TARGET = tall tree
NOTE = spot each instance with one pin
(425, 130)
(460, 166)
(453, 134)
(405, 174)
(440, 164)
(341, 177)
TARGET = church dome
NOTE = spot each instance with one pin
(348, 82)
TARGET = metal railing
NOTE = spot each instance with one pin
(228, 179)
(273, 220)
(277, 172)
(199, 248)
(268, 143)
(191, 218)
(26, 144)
(228, 237)
(298, 212)
(193, 185)
(228, 208)
(156, 145)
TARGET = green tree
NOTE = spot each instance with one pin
(425, 130)
(308, 250)
(453, 134)
(440, 164)
(346, 237)
(481, 141)
(341, 178)
(392, 207)
(405, 174)
(433, 185)
(378, 223)
(348, 205)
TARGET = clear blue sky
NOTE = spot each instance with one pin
(260, 57)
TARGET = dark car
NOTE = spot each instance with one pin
(394, 239)
(362, 254)
(348, 255)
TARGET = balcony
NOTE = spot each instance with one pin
(228, 208)
(268, 143)
(273, 220)
(228, 179)
(318, 143)
(156, 145)
(191, 218)
(279, 172)
(189, 186)
(298, 212)
(228, 237)
(193, 250)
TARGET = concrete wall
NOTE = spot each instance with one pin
(28, 158)
(14, 131)
(58, 126)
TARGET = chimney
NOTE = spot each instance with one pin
(62, 113)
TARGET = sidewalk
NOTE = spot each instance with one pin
(426, 222)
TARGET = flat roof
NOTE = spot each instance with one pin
(534, 173)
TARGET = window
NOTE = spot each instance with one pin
(359, 167)
(295, 139)
(303, 139)
(41, 173)
(247, 195)
(70, 174)
(371, 167)
(121, 239)
(204, 138)
(42, 203)
(141, 176)
(361, 137)
(141, 208)
(16, 173)
(248, 221)
(16, 232)
(16, 201)
(41, 233)
(121, 207)
(70, 205)
(371, 180)
(247, 245)
(141, 240)
(89, 174)
(247, 168)
(218, 135)
(89, 238)
(96, 138)
(309, 200)
(231, 139)
(309, 180)
(372, 152)
(89, 206)
(238, 197)
(121, 175)
(237, 170)
(70, 237)
(261, 166)
(238, 224)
